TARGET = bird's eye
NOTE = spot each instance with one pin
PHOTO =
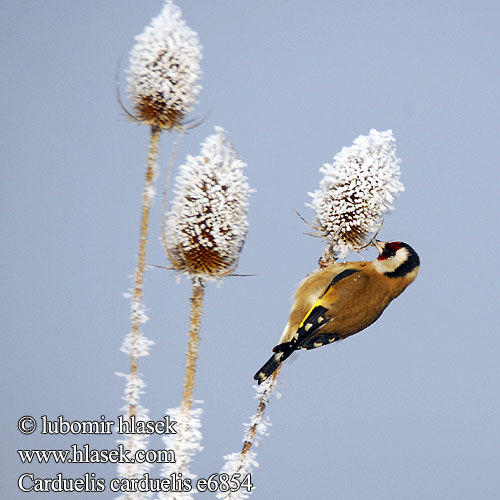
(390, 250)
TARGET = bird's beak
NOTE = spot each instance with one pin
(379, 245)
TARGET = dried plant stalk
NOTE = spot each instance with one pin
(257, 419)
(245, 461)
(194, 339)
(143, 240)
(203, 234)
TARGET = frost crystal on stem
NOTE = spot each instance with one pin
(244, 462)
(185, 443)
(207, 223)
(164, 70)
(134, 442)
(357, 189)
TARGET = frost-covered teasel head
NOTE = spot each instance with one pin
(164, 70)
(207, 223)
(357, 189)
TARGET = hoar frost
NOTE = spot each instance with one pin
(164, 70)
(357, 189)
(185, 444)
(245, 461)
(207, 222)
(134, 442)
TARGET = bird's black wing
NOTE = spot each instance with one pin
(318, 340)
(306, 336)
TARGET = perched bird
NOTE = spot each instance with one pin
(342, 299)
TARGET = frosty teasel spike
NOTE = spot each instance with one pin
(207, 223)
(164, 70)
(357, 189)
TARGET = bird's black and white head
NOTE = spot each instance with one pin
(397, 259)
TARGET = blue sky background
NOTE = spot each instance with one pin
(409, 408)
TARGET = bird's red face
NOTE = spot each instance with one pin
(388, 249)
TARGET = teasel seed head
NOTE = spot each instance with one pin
(207, 223)
(164, 70)
(357, 189)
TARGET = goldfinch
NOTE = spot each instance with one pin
(342, 299)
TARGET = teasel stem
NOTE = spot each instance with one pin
(198, 291)
(252, 430)
(245, 461)
(143, 240)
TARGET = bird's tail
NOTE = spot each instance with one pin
(282, 352)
